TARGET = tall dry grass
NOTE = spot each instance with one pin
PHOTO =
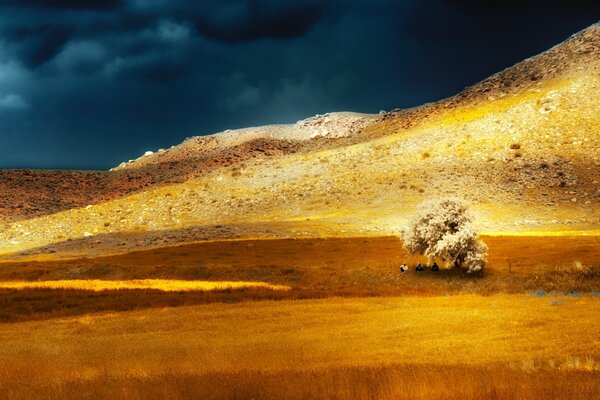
(431, 343)
(396, 382)
(500, 346)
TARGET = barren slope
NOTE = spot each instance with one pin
(27, 194)
(327, 126)
(522, 146)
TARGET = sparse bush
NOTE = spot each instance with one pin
(444, 229)
(515, 146)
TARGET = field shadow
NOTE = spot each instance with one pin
(18, 305)
(450, 273)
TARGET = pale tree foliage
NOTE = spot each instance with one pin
(443, 229)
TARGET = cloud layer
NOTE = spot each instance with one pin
(13, 102)
(87, 84)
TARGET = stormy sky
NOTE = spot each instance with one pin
(88, 84)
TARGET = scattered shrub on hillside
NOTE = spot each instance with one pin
(515, 146)
(444, 229)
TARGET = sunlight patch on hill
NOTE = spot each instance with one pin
(526, 162)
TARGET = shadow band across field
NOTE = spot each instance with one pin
(19, 305)
(23, 300)
(311, 268)
(518, 254)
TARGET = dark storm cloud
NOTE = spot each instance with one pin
(259, 20)
(93, 83)
(492, 34)
(39, 44)
(65, 4)
(516, 6)
(155, 70)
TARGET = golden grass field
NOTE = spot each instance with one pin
(461, 346)
(351, 326)
(311, 268)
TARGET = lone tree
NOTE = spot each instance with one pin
(444, 229)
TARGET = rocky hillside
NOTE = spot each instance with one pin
(262, 139)
(26, 194)
(523, 147)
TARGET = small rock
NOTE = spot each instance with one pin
(574, 200)
(148, 153)
(87, 234)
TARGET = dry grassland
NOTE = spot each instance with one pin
(249, 260)
(528, 333)
(464, 346)
(312, 268)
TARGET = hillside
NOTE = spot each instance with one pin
(27, 194)
(523, 146)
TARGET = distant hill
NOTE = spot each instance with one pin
(523, 146)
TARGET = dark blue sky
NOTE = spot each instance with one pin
(88, 84)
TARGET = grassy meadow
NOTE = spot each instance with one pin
(462, 346)
(350, 326)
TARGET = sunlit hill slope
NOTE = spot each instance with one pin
(523, 146)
